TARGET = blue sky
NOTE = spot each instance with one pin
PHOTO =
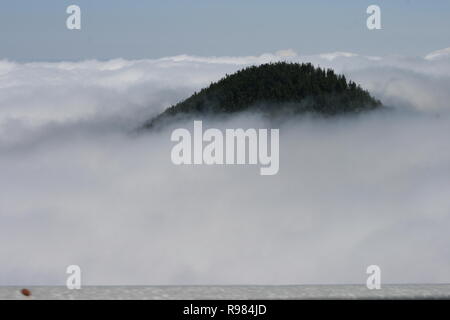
(36, 31)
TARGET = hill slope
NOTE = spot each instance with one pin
(275, 89)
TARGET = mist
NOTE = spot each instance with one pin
(80, 186)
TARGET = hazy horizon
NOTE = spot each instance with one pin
(36, 31)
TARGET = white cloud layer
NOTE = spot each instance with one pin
(77, 188)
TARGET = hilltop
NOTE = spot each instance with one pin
(275, 89)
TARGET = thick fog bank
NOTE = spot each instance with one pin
(78, 186)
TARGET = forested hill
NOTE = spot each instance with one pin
(275, 88)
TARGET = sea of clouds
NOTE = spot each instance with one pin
(79, 186)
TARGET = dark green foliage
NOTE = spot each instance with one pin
(276, 88)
